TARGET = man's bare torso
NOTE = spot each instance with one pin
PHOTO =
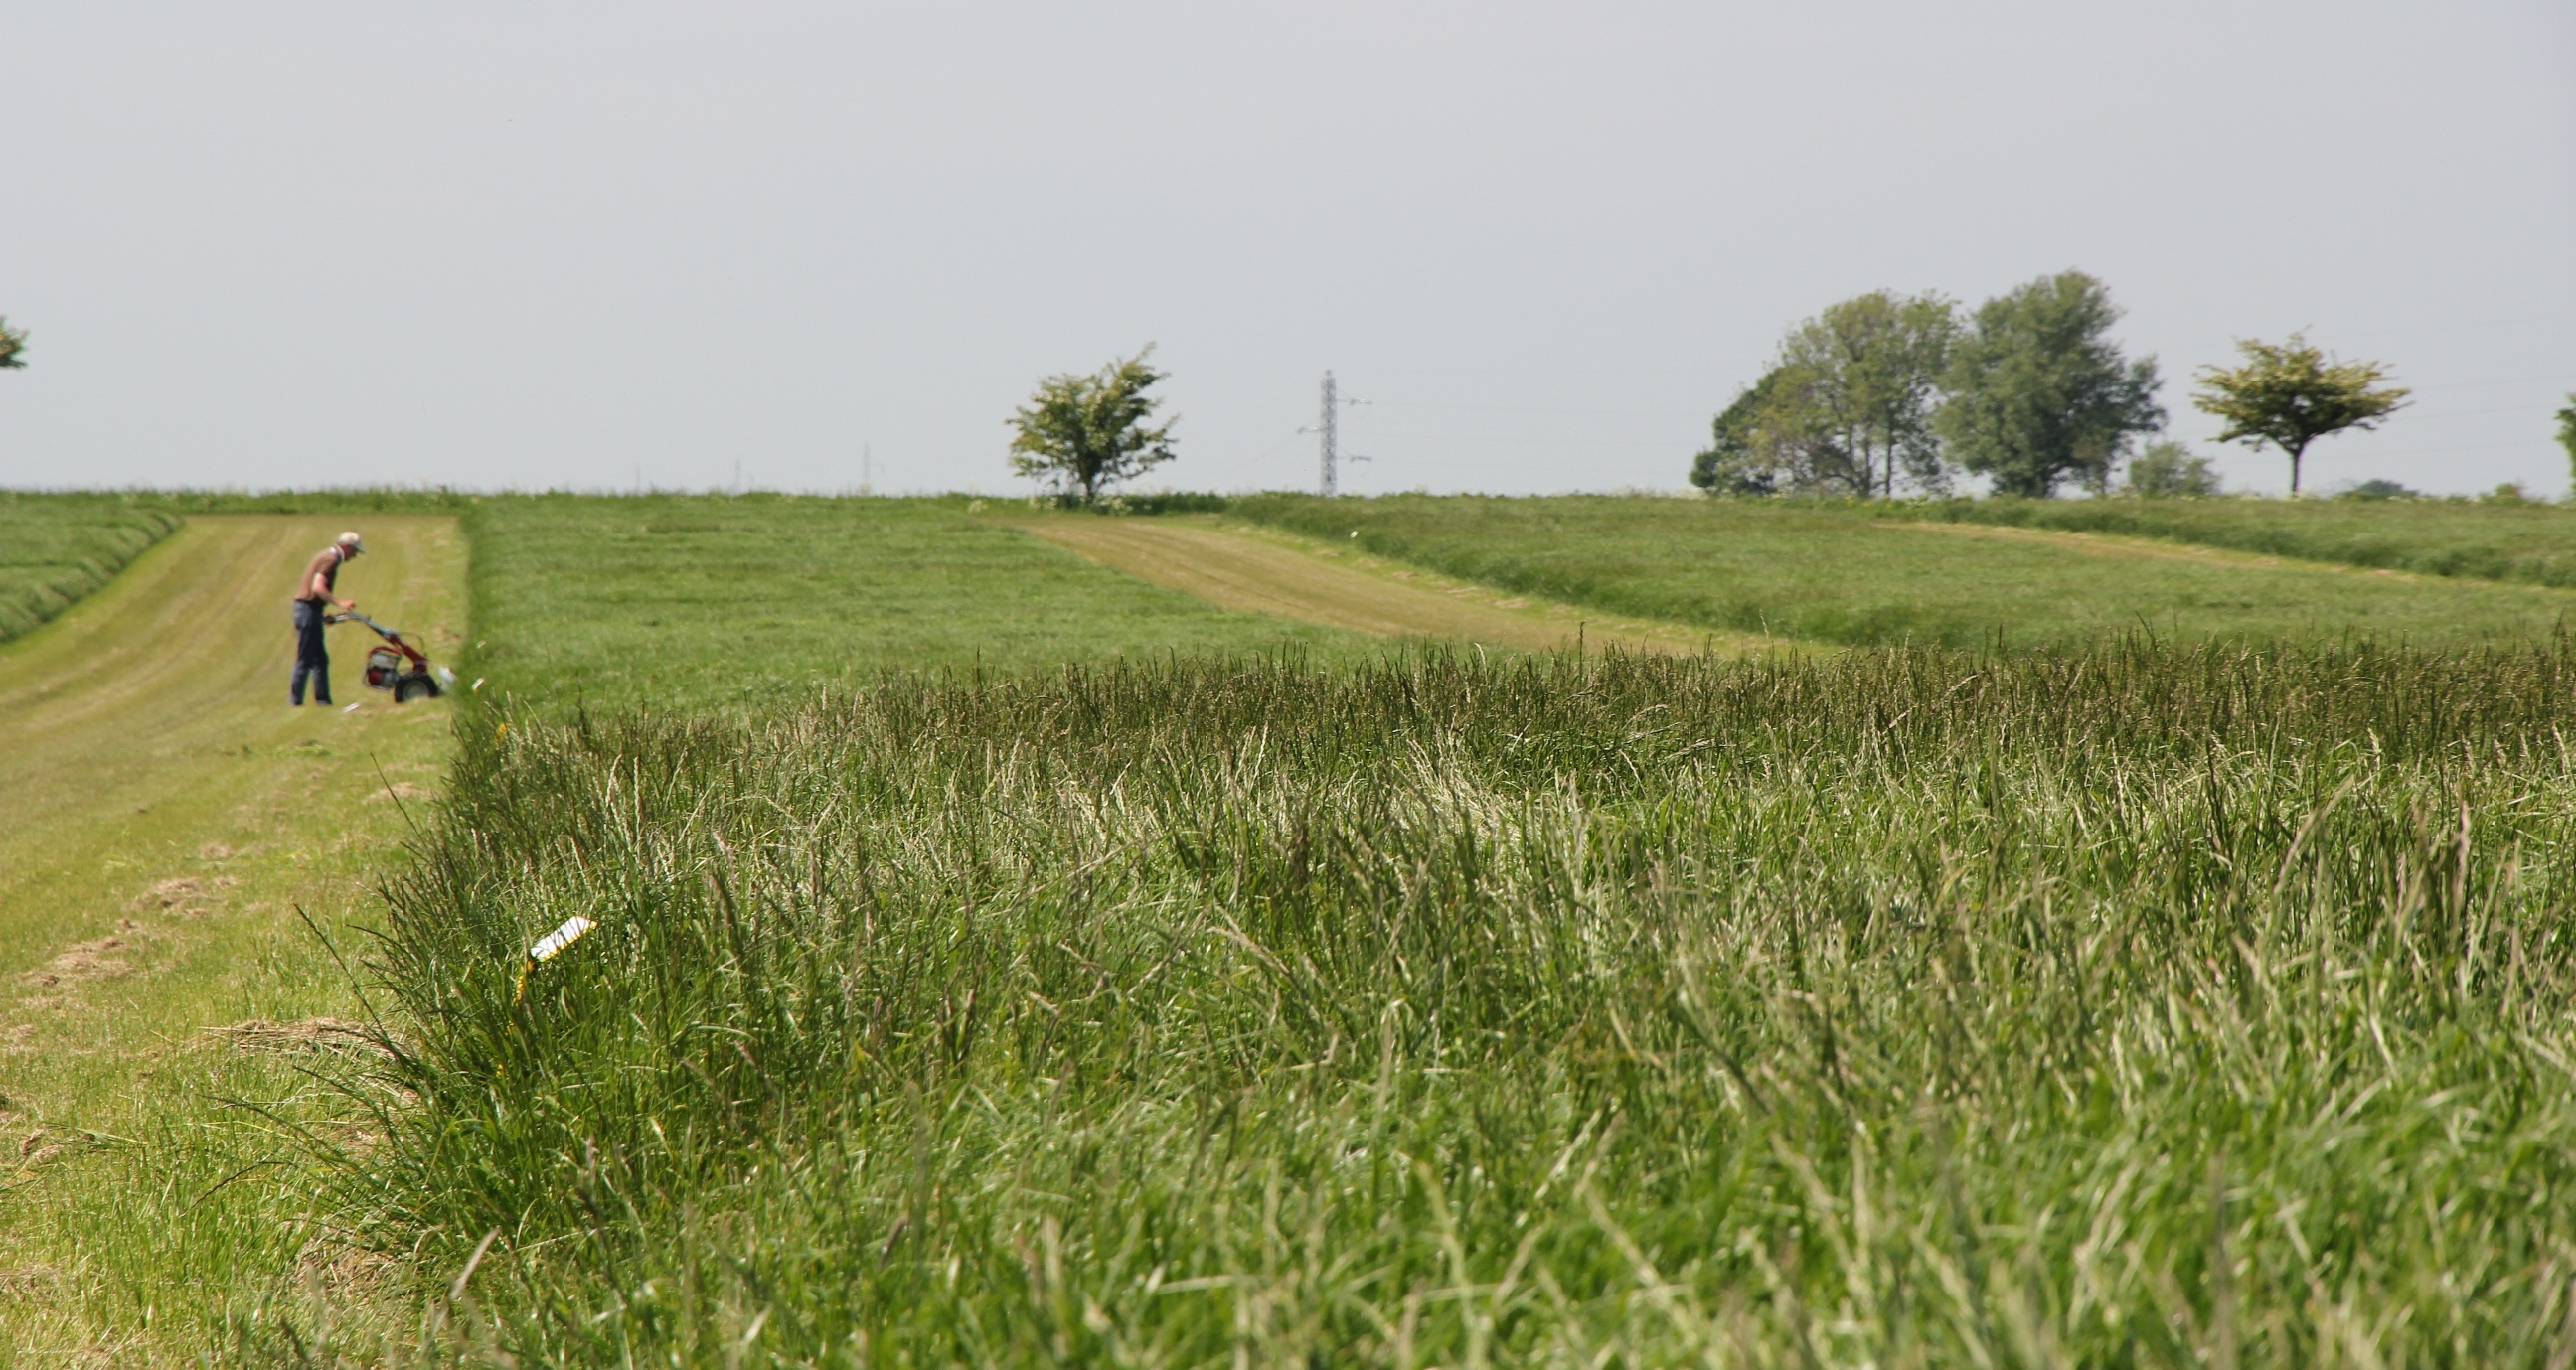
(326, 564)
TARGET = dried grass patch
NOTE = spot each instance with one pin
(93, 960)
(27, 1281)
(187, 896)
(308, 1034)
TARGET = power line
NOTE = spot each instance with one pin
(1530, 442)
(1702, 415)
(2478, 413)
(2456, 324)
(2364, 454)
(1522, 409)
(2555, 377)
(1330, 457)
(1273, 449)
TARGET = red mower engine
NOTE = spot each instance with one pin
(398, 666)
(384, 668)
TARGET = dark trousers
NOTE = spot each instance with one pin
(310, 658)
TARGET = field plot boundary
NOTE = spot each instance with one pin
(2145, 548)
(2523, 543)
(1267, 571)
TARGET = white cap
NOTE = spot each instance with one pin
(350, 541)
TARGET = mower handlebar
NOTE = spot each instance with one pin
(354, 615)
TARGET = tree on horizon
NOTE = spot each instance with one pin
(1086, 431)
(2039, 394)
(2288, 395)
(1846, 405)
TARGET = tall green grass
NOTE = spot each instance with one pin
(54, 549)
(2130, 1006)
(2532, 543)
(1847, 573)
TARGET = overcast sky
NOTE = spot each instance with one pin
(547, 245)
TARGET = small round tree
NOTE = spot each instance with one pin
(13, 346)
(2291, 394)
(1083, 432)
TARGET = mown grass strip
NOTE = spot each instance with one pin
(171, 836)
(1264, 570)
(2528, 543)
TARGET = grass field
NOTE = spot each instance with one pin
(1838, 574)
(166, 823)
(2127, 1007)
(709, 601)
(1188, 987)
(2530, 543)
(56, 548)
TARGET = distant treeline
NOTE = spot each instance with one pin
(2028, 390)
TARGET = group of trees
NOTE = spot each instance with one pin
(2028, 390)
(1847, 406)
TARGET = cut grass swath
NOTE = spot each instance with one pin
(56, 549)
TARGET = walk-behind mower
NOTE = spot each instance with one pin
(399, 666)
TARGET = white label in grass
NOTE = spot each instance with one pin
(560, 938)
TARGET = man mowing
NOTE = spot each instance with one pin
(311, 595)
